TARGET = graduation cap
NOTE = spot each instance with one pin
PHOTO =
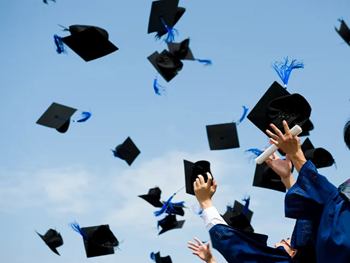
(277, 105)
(192, 170)
(164, 15)
(98, 240)
(183, 52)
(239, 208)
(158, 259)
(58, 116)
(344, 31)
(52, 239)
(169, 223)
(222, 136)
(89, 42)
(319, 157)
(167, 66)
(127, 151)
(237, 221)
(153, 197)
(265, 177)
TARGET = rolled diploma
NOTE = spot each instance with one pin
(295, 131)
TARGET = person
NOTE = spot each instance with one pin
(202, 250)
(313, 198)
(233, 245)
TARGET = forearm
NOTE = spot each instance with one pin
(206, 204)
(298, 160)
(288, 182)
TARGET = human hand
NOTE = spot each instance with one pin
(202, 250)
(281, 167)
(204, 190)
(287, 143)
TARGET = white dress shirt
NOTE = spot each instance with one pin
(212, 217)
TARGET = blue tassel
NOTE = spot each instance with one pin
(245, 111)
(246, 205)
(153, 256)
(164, 207)
(170, 210)
(158, 89)
(284, 71)
(157, 36)
(59, 44)
(229, 208)
(206, 62)
(200, 210)
(86, 115)
(255, 152)
(115, 153)
(75, 226)
(171, 33)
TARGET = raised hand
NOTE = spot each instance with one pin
(202, 250)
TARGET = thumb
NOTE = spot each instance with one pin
(208, 245)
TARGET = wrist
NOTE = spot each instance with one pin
(298, 159)
(288, 181)
(211, 260)
(205, 204)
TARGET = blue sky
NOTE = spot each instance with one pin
(48, 179)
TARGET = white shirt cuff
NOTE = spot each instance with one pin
(212, 217)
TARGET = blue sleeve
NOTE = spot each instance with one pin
(307, 197)
(238, 247)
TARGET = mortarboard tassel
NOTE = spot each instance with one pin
(255, 152)
(115, 153)
(171, 33)
(59, 44)
(168, 204)
(153, 256)
(158, 89)
(75, 226)
(85, 116)
(245, 111)
(284, 71)
(246, 205)
(206, 62)
(200, 211)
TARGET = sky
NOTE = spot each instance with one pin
(48, 179)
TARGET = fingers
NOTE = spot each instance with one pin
(272, 134)
(210, 179)
(277, 131)
(274, 142)
(286, 128)
(192, 244)
(201, 179)
(214, 186)
(194, 249)
(208, 245)
(275, 156)
(198, 241)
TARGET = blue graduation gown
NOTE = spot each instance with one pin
(315, 199)
(239, 247)
(304, 239)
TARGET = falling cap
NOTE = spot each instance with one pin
(319, 157)
(169, 223)
(100, 241)
(166, 64)
(89, 42)
(222, 136)
(238, 207)
(237, 221)
(158, 259)
(179, 13)
(192, 170)
(52, 239)
(344, 31)
(57, 116)
(181, 50)
(277, 104)
(153, 197)
(265, 177)
(127, 151)
(166, 10)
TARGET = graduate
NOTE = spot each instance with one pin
(313, 198)
(234, 245)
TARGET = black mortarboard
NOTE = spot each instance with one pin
(127, 151)
(192, 170)
(169, 223)
(181, 50)
(178, 209)
(100, 241)
(153, 197)
(179, 13)
(222, 136)
(89, 42)
(158, 259)
(344, 31)
(238, 221)
(277, 104)
(265, 177)
(57, 116)
(166, 10)
(53, 239)
(238, 207)
(319, 157)
(166, 64)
